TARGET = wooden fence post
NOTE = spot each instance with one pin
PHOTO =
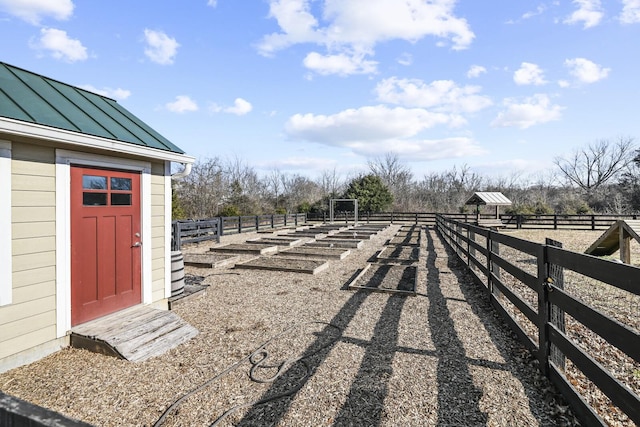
(239, 224)
(470, 249)
(593, 222)
(555, 221)
(493, 269)
(556, 315)
(257, 223)
(175, 229)
(543, 310)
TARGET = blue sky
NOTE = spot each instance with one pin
(305, 86)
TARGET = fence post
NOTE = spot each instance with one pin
(593, 222)
(493, 269)
(176, 243)
(519, 221)
(272, 222)
(543, 310)
(470, 249)
(556, 315)
(219, 233)
(555, 221)
(239, 225)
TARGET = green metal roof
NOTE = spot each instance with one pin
(33, 98)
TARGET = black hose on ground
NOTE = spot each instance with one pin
(257, 358)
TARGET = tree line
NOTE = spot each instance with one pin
(602, 176)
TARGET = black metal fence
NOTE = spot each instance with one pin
(193, 231)
(480, 249)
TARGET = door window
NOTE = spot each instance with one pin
(106, 191)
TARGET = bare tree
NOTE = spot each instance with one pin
(395, 175)
(596, 164)
(204, 189)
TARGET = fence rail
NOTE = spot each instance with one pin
(486, 265)
(510, 221)
(552, 221)
(193, 231)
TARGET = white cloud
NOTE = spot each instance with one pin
(529, 74)
(240, 107)
(182, 104)
(630, 12)
(532, 111)
(586, 71)
(33, 11)
(439, 95)
(420, 149)
(405, 59)
(353, 28)
(476, 71)
(212, 3)
(539, 11)
(589, 12)
(118, 94)
(363, 124)
(160, 47)
(378, 129)
(60, 45)
(341, 64)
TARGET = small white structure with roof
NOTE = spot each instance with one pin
(488, 198)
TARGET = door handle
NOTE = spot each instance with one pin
(136, 245)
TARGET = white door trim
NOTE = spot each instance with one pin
(64, 160)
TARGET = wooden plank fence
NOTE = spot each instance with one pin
(193, 231)
(552, 221)
(485, 262)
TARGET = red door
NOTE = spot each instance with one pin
(105, 242)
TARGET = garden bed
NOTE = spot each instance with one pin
(292, 265)
(247, 248)
(209, 260)
(387, 278)
(311, 252)
(280, 241)
(409, 240)
(335, 243)
(398, 254)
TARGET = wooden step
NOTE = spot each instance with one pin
(135, 334)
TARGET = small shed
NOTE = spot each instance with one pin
(488, 198)
(85, 212)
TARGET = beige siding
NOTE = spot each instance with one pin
(33, 215)
(157, 232)
(27, 341)
(26, 230)
(30, 319)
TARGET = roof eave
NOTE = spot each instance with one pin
(17, 127)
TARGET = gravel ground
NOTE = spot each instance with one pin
(340, 357)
